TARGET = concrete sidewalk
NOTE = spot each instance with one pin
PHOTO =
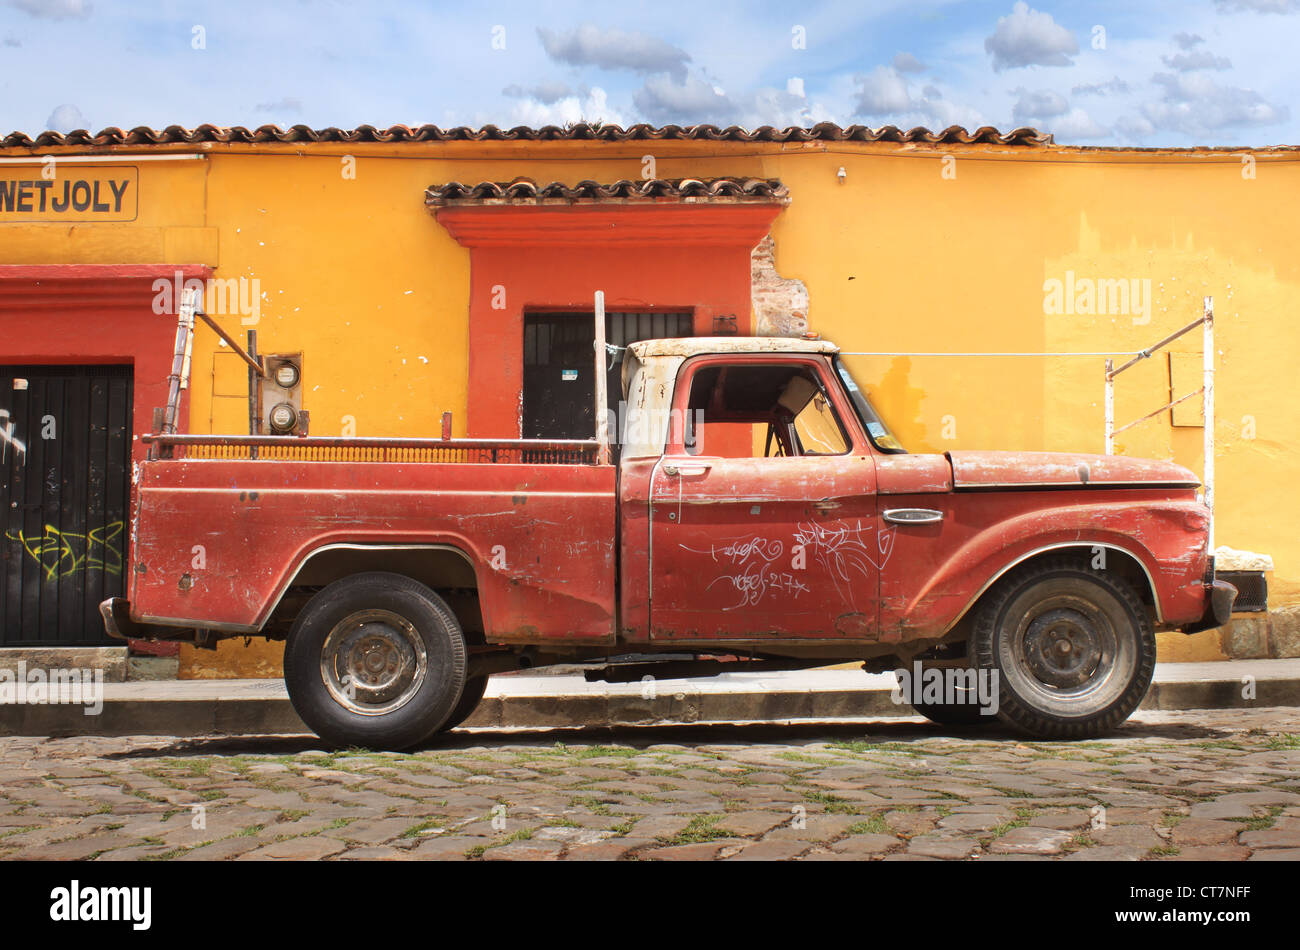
(261, 707)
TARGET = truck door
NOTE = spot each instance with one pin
(762, 510)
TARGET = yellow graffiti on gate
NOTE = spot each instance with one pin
(62, 553)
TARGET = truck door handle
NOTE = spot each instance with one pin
(913, 516)
(694, 468)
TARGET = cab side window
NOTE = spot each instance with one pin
(761, 410)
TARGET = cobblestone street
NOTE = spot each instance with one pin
(1219, 785)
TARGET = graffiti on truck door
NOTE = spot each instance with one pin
(845, 552)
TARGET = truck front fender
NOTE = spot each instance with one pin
(1164, 540)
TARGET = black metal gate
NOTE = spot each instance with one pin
(65, 479)
(559, 366)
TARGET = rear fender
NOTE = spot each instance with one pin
(330, 562)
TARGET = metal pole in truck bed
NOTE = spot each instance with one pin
(602, 397)
(1207, 409)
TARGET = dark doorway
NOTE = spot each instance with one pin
(559, 366)
(65, 480)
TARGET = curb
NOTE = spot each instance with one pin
(225, 708)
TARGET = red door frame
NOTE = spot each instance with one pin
(66, 314)
(87, 314)
(662, 255)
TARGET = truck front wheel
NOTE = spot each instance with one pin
(375, 660)
(957, 700)
(962, 713)
(1073, 649)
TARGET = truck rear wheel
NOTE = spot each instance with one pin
(1073, 649)
(470, 697)
(375, 660)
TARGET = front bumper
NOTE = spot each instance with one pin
(1218, 607)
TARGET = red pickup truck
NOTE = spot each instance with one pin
(759, 515)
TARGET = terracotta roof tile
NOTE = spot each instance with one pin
(525, 190)
(822, 132)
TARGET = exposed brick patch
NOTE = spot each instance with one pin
(780, 303)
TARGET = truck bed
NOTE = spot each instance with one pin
(222, 528)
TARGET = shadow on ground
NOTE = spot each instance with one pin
(700, 734)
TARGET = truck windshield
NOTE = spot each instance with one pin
(875, 428)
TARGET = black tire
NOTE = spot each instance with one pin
(965, 712)
(375, 660)
(470, 697)
(1078, 690)
(954, 714)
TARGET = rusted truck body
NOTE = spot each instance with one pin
(759, 515)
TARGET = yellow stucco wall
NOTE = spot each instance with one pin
(917, 249)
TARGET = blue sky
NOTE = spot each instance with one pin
(1151, 72)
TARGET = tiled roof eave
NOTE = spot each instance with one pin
(525, 191)
(601, 202)
(582, 131)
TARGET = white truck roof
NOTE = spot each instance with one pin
(698, 345)
(648, 382)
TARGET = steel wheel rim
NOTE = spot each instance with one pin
(1091, 671)
(373, 662)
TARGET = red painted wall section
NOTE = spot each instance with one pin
(94, 313)
(669, 256)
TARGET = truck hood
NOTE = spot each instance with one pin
(975, 470)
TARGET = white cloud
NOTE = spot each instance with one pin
(780, 108)
(1133, 128)
(695, 100)
(54, 9)
(907, 63)
(692, 101)
(614, 49)
(1194, 104)
(1030, 38)
(1197, 59)
(885, 94)
(1075, 125)
(941, 112)
(883, 91)
(1259, 6)
(1115, 85)
(65, 118)
(548, 91)
(1038, 104)
(592, 106)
